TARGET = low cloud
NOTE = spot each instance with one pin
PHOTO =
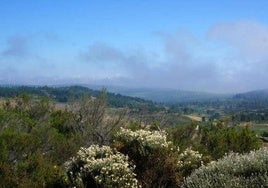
(180, 69)
(248, 61)
(186, 63)
(101, 53)
(231, 57)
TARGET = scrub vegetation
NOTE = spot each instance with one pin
(90, 141)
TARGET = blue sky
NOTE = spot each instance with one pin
(216, 46)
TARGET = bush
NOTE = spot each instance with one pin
(155, 158)
(100, 167)
(189, 160)
(234, 170)
(219, 139)
(147, 139)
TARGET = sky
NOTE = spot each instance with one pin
(214, 46)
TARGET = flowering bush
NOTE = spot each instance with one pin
(234, 170)
(146, 138)
(189, 160)
(100, 167)
(155, 158)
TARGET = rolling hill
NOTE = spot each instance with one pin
(167, 96)
(253, 95)
(69, 93)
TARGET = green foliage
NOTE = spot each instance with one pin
(182, 135)
(69, 94)
(234, 170)
(215, 139)
(29, 145)
(23, 163)
(61, 121)
(218, 139)
(37, 138)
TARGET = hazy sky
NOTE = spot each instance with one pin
(218, 46)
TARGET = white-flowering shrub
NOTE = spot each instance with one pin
(100, 167)
(152, 139)
(234, 170)
(189, 156)
(189, 160)
(155, 158)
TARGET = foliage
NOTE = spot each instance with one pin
(155, 158)
(234, 170)
(37, 138)
(30, 154)
(218, 139)
(182, 135)
(215, 139)
(189, 160)
(147, 139)
(92, 121)
(100, 167)
(71, 93)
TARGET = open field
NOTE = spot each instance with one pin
(194, 117)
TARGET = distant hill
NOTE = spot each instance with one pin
(253, 95)
(168, 96)
(68, 93)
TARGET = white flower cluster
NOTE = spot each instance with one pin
(189, 156)
(151, 139)
(107, 167)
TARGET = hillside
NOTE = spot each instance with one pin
(168, 96)
(43, 146)
(69, 93)
(253, 95)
